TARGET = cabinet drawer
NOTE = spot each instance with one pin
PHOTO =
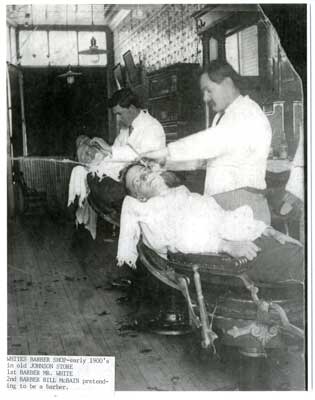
(171, 132)
(161, 86)
(165, 110)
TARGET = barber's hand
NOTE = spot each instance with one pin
(151, 164)
(102, 144)
(239, 249)
(280, 237)
(159, 155)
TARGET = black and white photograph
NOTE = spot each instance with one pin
(157, 197)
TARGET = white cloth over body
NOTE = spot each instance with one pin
(87, 216)
(236, 149)
(78, 188)
(147, 134)
(181, 221)
(78, 185)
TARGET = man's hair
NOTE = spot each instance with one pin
(218, 70)
(124, 98)
(123, 174)
(170, 178)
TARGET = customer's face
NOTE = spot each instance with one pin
(89, 154)
(143, 182)
(86, 153)
(125, 115)
(216, 95)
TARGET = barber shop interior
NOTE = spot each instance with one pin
(156, 191)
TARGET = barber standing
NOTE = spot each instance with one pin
(236, 147)
(139, 132)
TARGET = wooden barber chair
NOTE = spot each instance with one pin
(229, 309)
(213, 295)
(253, 317)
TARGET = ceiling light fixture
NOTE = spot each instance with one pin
(69, 75)
(93, 49)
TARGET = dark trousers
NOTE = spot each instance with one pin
(277, 262)
(107, 193)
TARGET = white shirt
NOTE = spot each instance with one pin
(236, 149)
(181, 221)
(295, 183)
(147, 135)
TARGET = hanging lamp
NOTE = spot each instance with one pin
(93, 49)
(69, 75)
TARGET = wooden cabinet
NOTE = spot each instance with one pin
(175, 99)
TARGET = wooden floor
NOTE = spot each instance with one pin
(59, 303)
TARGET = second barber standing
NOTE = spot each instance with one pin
(236, 147)
(139, 132)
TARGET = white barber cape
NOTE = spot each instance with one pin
(236, 148)
(145, 134)
(181, 221)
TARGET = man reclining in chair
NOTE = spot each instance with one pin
(172, 219)
(98, 166)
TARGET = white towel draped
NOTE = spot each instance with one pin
(78, 185)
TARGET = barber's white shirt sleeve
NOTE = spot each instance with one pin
(122, 137)
(242, 127)
(209, 143)
(151, 138)
(147, 135)
(236, 149)
(121, 150)
(124, 153)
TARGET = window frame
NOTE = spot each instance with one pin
(237, 30)
(87, 29)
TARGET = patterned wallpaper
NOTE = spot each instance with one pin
(167, 36)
